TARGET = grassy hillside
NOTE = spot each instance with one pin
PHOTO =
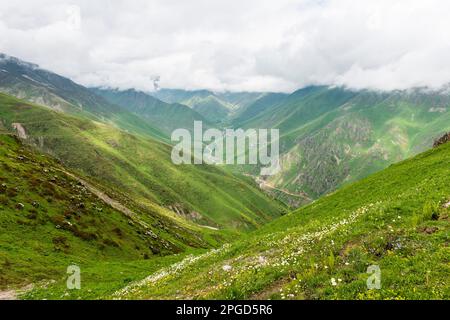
(49, 219)
(27, 81)
(262, 104)
(178, 95)
(240, 100)
(210, 107)
(397, 219)
(332, 136)
(204, 102)
(142, 169)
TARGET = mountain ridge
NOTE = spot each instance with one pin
(140, 166)
(164, 116)
(330, 136)
(88, 179)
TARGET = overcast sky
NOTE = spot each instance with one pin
(237, 45)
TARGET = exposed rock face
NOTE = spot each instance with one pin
(324, 159)
(20, 130)
(444, 139)
(190, 215)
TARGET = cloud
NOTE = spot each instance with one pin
(254, 45)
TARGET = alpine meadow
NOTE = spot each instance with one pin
(252, 151)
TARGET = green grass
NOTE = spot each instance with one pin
(395, 219)
(100, 279)
(49, 220)
(141, 169)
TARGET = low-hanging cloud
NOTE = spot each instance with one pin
(249, 45)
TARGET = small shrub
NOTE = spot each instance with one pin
(84, 235)
(34, 182)
(68, 214)
(110, 243)
(59, 240)
(58, 220)
(4, 200)
(11, 192)
(33, 214)
(60, 243)
(118, 231)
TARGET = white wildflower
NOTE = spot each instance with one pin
(227, 268)
(333, 282)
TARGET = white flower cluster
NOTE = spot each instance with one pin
(165, 272)
(281, 252)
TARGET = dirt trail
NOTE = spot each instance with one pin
(115, 204)
(208, 227)
(14, 294)
(105, 198)
(8, 295)
(266, 185)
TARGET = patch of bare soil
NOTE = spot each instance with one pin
(13, 294)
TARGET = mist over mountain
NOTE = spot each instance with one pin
(224, 150)
(329, 135)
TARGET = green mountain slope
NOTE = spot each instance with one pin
(179, 95)
(210, 107)
(141, 168)
(205, 102)
(50, 219)
(332, 136)
(216, 107)
(397, 219)
(27, 81)
(32, 83)
(164, 116)
(240, 100)
(262, 104)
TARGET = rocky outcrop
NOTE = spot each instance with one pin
(190, 215)
(20, 130)
(444, 139)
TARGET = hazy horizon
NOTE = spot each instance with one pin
(233, 46)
